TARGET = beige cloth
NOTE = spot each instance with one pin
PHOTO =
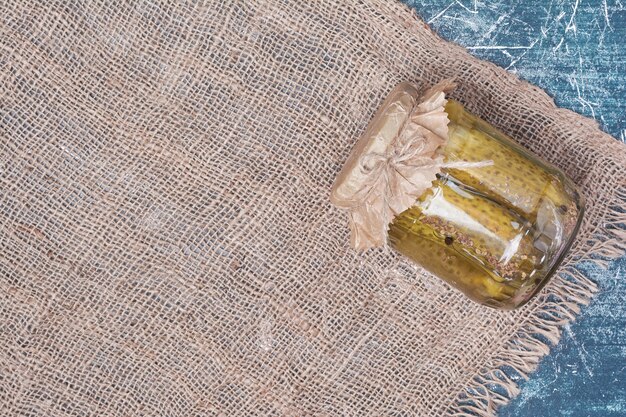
(167, 245)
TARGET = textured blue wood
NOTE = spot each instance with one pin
(576, 51)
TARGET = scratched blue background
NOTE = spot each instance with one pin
(576, 51)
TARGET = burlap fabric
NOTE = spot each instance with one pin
(167, 247)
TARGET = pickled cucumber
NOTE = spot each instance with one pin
(514, 180)
(488, 232)
(467, 239)
(425, 246)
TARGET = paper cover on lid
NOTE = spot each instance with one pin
(393, 162)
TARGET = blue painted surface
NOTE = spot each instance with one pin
(576, 51)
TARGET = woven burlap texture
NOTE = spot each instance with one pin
(167, 246)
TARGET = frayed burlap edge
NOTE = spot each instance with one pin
(495, 385)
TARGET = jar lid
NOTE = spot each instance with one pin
(380, 134)
(394, 161)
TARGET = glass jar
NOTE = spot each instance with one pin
(496, 232)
